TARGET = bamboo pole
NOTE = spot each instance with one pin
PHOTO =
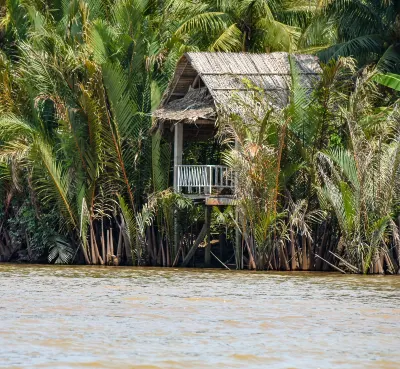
(333, 266)
(219, 260)
(351, 267)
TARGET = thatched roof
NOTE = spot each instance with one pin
(196, 104)
(223, 78)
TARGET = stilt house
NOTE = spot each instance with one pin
(204, 86)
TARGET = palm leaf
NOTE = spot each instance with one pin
(206, 22)
(54, 186)
(60, 251)
(229, 40)
(349, 206)
(389, 61)
(389, 80)
(355, 47)
(130, 226)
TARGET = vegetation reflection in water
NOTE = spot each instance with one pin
(82, 317)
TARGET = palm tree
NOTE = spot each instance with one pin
(275, 156)
(75, 108)
(76, 120)
(366, 30)
(253, 25)
(360, 183)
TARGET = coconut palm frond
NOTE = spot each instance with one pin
(206, 22)
(56, 186)
(229, 40)
(129, 227)
(60, 251)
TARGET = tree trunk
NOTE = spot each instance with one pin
(119, 247)
(103, 243)
(321, 248)
(304, 265)
(284, 264)
(311, 258)
(193, 249)
(292, 250)
(92, 250)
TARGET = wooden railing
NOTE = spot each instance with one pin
(204, 179)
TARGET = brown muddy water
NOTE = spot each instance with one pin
(92, 317)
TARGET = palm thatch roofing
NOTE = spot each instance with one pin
(205, 84)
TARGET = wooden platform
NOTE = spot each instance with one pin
(213, 200)
(220, 201)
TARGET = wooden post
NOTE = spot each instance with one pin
(222, 246)
(207, 251)
(178, 149)
(238, 238)
(238, 244)
(210, 180)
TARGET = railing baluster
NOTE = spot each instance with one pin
(179, 180)
(202, 179)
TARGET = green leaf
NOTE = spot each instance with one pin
(348, 203)
(60, 252)
(390, 80)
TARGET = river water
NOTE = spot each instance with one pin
(92, 317)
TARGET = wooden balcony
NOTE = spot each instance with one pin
(205, 181)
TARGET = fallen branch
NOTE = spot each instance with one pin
(333, 266)
(220, 261)
(352, 267)
(193, 249)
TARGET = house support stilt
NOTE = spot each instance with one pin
(178, 150)
(207, 253)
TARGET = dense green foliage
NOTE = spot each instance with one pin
(326, 166)
(79, 170)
